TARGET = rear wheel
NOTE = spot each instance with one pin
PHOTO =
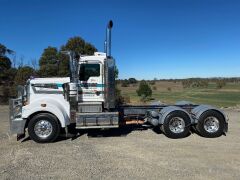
(176, 125)
(210, 124)
(43, 128)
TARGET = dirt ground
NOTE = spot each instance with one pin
(122, 154)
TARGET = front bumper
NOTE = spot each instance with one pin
(17, 126)
(17, 123)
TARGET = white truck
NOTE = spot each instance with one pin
(86, 100)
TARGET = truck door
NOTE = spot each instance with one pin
(91, 81)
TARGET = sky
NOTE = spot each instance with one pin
(150, 38)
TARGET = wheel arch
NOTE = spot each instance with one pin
(50, 106)
(40, 112)
(201, 109)
(169, 109)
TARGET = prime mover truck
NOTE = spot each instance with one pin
(86, 100)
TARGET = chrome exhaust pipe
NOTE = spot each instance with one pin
(107, 43)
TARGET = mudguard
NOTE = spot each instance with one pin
(167, 110)
(199, 110)
(51, 105)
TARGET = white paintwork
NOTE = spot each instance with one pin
(54, 99)
(89, 93)
(50, 80)
(55, 103)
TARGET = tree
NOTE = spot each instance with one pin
(78, 45)
(5, 63)
(132, 80)
(63, 66)
(89, 49)
(48, 62)
(34, 63)
(11, 73)
(4, 51)
(55, 63)
(5, 66)
(144, 90)
(23, 74)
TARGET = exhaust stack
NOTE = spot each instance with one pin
(107, 43)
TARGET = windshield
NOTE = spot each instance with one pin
(20, 91)
(27, 91)
(23, 92)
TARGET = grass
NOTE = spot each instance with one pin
(228, 96)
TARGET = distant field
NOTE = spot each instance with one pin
(229, 95)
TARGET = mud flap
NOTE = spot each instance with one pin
(225, 129)
(20, 136)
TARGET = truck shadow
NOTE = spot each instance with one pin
(115, 132)
(96, 133)
(118, 132)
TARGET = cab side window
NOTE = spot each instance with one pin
(89, 70)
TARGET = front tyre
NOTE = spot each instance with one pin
(176, 125)
(43, 128)
(211, 124)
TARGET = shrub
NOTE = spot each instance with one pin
(5, 93)
(144, 89)
(118, 97)
(126, 99)
(195, 83)
(153, 82)
(220, 84)
(125, 83)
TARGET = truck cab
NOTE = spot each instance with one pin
(86, 99)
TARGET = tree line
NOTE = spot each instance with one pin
(52, 63)
(186, 83)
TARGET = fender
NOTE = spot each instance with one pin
(167, 110)
(58, 108)
(199, 110)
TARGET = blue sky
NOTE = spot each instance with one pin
(162, 39)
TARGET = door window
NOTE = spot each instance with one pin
(89, 70)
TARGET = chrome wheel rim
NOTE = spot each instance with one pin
(177, 125)
(211, 124)
(43, 128)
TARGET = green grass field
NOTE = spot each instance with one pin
(228, 96)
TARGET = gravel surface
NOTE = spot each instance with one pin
(122, 154)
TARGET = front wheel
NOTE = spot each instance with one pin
(176, 125)
(43, 128)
